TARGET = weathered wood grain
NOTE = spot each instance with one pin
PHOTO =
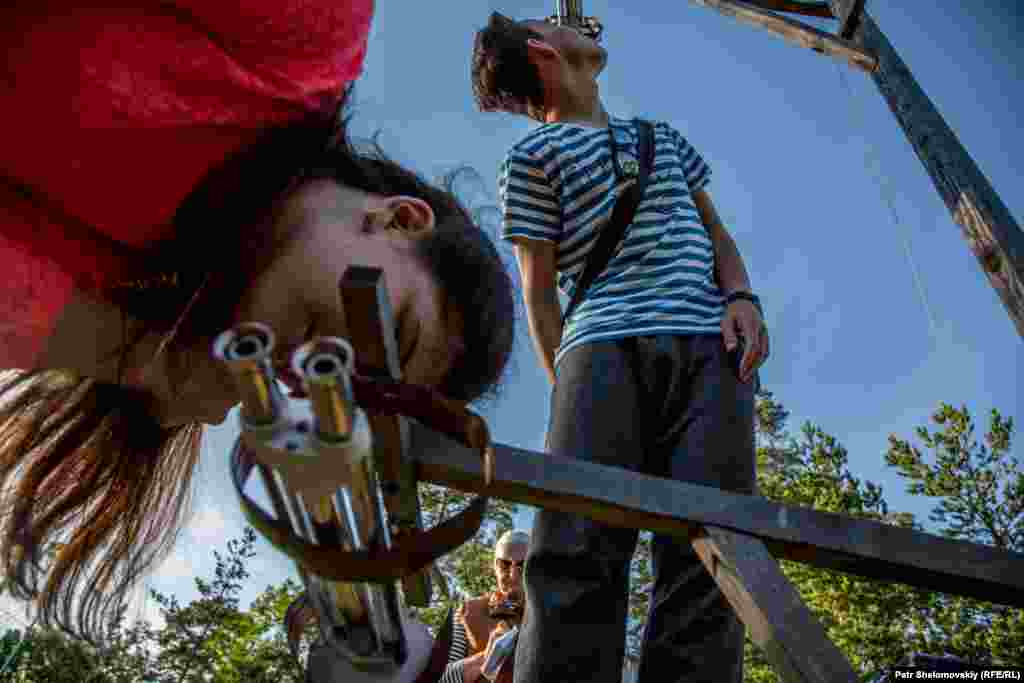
(794, 32)
(807, 9)
(992, 234)
(849, 13)
(778, 621)
(622, 498)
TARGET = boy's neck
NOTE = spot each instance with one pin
(578, 102)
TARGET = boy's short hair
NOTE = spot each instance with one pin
(504, 78)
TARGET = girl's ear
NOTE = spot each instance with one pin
(409, 215)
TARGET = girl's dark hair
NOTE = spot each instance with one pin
(85, 464)
(223, 234)
(503, 77)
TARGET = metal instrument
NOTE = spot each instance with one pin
(317, 467)
(509, 610)
(570, 13)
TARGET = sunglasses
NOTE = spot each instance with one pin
(508, 564)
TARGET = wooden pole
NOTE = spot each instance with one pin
(794, 31)
(848, 12)
(992, 234)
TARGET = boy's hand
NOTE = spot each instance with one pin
(742, 319)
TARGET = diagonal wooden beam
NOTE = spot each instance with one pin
(622, 498)
(775, 615)
(992, 233)
(849, 13)
(794, 32)
(807, 9)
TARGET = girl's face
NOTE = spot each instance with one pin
(324, 228)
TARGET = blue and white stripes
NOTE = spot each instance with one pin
(559, 185)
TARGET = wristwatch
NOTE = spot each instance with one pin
(745, 296)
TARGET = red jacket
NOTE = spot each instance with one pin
(108, 117)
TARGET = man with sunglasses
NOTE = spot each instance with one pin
(482, 621)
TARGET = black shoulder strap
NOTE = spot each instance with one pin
(612, 233)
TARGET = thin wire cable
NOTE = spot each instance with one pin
(885, 189)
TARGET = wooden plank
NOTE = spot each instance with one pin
(778, 621)
(794, 32)
(849, 13)
(621, 498)
(992, 234)
(807, 9)
(371, 331)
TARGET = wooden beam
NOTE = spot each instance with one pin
(775, 615)
(621, 498)
(372, 334)
(807, 9)
(992, 234)
(794, 32)
(849, 13)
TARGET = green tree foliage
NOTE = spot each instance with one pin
(468, 571)
(49, 655)
(979, 494)
(979, 488)
(213, 640)
(14, 648)
(210, 640)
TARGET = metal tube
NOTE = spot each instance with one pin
(246, 350)
(321, 482)
(570, 13)
(325, 365)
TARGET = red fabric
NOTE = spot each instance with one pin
(110, 116)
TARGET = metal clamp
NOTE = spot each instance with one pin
(570, 13)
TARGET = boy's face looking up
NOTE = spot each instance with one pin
(575, 47)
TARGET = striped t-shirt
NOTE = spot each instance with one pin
(459, 650)
(559, 184)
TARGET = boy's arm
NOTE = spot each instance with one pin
(538, 273)
(741, 316)
(532, 221)
(730, 271)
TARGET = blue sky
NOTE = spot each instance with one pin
(795, 153)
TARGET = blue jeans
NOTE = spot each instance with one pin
(667, 406)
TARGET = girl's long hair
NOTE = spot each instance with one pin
(93, 491)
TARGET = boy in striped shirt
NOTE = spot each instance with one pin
(656, 367)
